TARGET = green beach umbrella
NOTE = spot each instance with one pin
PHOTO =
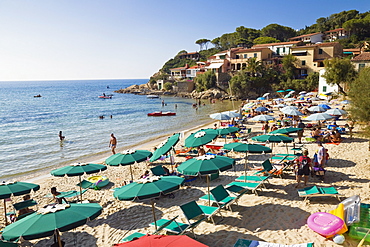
(8, 189)
(280, 91)
(128, 157)
(228, 130)
(289, 90)
(285, 130)
(201, 137)
(165, 147)
(148, 188)
(52, 220)
(205, 165)
(272, 138)
(247, 148)
(78, 169)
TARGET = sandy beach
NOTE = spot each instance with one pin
(276, 215)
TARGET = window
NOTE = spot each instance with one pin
(283, 49)
(361, 66)
(222, 57)
(245, 56)
(278, 51)
(303, 62)
(237, 56)
(255, 55)
(320, 51)
(324, 89)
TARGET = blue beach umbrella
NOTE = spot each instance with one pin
(261, 98)
(261, 109)
(325, 106)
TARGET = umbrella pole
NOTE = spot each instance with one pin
(80, 188)
(58, 238)
(286, 145)
(209, 196)
(6, 220)
(245, 167)
(132, 178)
(154, 218)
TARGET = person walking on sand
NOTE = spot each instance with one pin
(113, 143)
(303, 168)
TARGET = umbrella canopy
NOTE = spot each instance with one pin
(232, 114)
(325, 106)
(272, 138)
(336, 112)
(288, 108)
(278, 99)
(163, 241)
(292, 112)
(280, 91)
(262, 118)
(16, 189)
(148, 188)
(128, 157)
(316, 108)
(206, 164)
(44, 223)
(302, 92)
(261, 98)
(261, 109)
(201, 137)
(247, 148)
(315, 99)
(165, 147)
(319, 117)
(289, 90)
(226, 131)
(286, 98)
(220, 116)
(78, 169)
(285, 130)
(280, 105)
(265, 94)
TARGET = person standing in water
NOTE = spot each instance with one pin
(61, 137)
(113, 143)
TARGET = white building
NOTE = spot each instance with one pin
(324, 88)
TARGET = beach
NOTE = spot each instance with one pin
(276, 215)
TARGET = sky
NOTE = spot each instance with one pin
(131, 39)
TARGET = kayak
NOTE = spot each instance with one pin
(159, 114)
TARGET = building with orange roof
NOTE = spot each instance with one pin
(361, 61)
(309, 38)
(279, 49)
(336, 34)
(239, 58)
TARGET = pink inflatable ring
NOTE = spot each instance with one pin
(325, 224)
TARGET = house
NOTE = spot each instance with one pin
(279, 49)
(194, 70)
(335, 34)
(361, 61)
(190, 55)
(239, 58)
(179, 73)
(324, 87)
(309, 38)
(310, 58)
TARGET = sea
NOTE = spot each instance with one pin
(29, 126)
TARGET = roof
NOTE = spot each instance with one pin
(305, 35)
(251, 50)
(315, 45)
(335, 30)
(365, 56)
(280, 43)
(179, 68)
(189, 53)
(352, 49)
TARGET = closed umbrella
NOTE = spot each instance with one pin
(220, 116)
(201, 137)
(247, 148)
(292, 112)
(128, 157)
(78, 169)
(148, 188)
(52, 220)
(205, 165)
(316, 108)
(261, 109)
(165, 147)
(162, 241)
(8, 189)
(319, 117)
(262, 118)
(336, 112)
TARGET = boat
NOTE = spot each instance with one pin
(160, 113)
(37, 96)
(95, 182)
(152, 96)
(105, 97)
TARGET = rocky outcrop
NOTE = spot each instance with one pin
(212, 93)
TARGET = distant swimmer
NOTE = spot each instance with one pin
(61, 137)
(37, 96)
(113, 143)
(101, 117)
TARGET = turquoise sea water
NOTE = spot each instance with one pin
(29, 126)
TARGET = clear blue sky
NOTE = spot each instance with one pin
(125, 39)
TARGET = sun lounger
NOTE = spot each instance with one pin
(255, 243)
(272, 169)
(178, 228)
(193, 211)
(136, 235)
(221, 197)
(314, 191)
(252, 179)
(253, 187)
(67, 194)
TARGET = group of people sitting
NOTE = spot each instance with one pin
(331, 136)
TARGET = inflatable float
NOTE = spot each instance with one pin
(94, 182)
(361, 229)
(325, 224)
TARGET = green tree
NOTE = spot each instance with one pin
(254, 67)
(360, 28)
(202, 43)
(289, 66)
(340, 72)
(205, 81)
(360, 99)
(278, 32)
(240, 84)
(167, 86)
(216, 42)
(265, 40)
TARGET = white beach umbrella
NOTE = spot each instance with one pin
(315, 99)
(316, 108)
(292, 112)
(232, 114)
(280, 106)
(319, 117)
(289, 107)
(220, 116)
(262, 118)
(289, 99)
(336, 112)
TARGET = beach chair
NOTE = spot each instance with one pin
(22, 205)
(194, 211)
(314, 191)
(255, 243)
(221, 197)
(158, 171)
(178, 228)
(136, 235)
(68, 194)
(273, 170)
(253, 187)
(254, 179)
